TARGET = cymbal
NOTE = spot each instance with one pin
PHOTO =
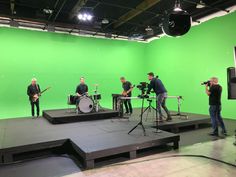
(95, 84)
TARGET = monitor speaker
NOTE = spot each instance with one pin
(177, 23)
(231, 79)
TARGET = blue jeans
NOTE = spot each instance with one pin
(215, 113)
(161, 102)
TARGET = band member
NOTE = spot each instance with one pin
(161, 93)
(214, 90)
(127, 91)
(33, 91)
(81, 90)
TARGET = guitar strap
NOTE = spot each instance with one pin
(37, 87)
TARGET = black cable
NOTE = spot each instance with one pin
(172, 156)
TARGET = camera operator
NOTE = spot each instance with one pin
(214, 90)
(161, 93)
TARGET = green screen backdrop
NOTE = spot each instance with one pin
(58, 60)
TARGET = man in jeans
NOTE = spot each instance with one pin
(214, 90)
(161, 93)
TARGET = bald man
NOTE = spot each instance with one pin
(33, 91)
(214, 90)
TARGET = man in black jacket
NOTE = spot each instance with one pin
(214, 90)
(161, 93)
(33, 91)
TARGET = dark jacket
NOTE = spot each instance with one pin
(157, 85)
(32, 90)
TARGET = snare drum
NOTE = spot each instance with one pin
(85, 104)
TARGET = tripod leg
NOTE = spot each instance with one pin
(144, 131)
(133, 128)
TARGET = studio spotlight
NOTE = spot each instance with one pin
(85, 17)
(178, 22)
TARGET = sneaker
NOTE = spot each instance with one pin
(213, 134)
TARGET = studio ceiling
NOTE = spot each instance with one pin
(117, 18)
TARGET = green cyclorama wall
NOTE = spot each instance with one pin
(183, 63)
(58, 60)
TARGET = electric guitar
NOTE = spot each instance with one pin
(36, 96)
(125, 93)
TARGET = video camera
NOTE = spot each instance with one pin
(142, 86)
(206, 83)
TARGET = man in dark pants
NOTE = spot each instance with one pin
(214, 90)
(161, 93)
(33, 91)
(127, 91)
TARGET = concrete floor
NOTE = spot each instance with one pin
(163, 165)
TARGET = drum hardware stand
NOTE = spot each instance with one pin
(97, 103)
(179, 98)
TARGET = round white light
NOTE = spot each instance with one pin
(80, 16)
(89, 17)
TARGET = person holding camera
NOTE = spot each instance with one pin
(161, 93)
(214, 90)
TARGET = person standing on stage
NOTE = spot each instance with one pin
(127, 91)
(33, 91)
(214, 90)
(161, 94)
(82, 88)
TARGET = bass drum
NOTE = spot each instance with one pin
(85, 104)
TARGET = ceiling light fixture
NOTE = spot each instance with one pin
(177, 7)
(85, 17)
(105, 21)
(201, 5)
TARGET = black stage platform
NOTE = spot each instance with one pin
(194, 120)
(87, 141)
(60, 116)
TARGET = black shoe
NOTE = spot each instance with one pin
(224, 133)
(160, 120)
(126, 112)
(169, 119)
(213, 134)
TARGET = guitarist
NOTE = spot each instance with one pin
(33, 92)
(127, 91)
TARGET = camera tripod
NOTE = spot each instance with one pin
(141, 118)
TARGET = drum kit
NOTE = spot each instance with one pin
(85, 103)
